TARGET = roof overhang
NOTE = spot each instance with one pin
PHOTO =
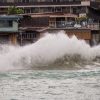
(65, 15)
(37, 29)
(10, 17)
(53, 15)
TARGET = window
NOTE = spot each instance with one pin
(5, 24)
(10, 23)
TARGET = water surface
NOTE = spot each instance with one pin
(50, 85)
(54, 68)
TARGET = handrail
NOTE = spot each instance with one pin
(40, 3)
(64, 24)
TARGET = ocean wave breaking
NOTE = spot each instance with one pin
(51, 50)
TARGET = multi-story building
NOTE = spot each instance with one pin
(73, 16)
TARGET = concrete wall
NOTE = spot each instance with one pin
(85, 3)
(10, 0)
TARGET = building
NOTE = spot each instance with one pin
(9, 29)
(73, 16)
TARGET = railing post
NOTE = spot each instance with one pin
(21, 38)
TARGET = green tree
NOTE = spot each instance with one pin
(14, 10)
(83, 18)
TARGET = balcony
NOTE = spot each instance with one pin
(95, 4)
(73, 25)
(41, 3)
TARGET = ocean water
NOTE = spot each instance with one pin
(50, 85)
(56, 67)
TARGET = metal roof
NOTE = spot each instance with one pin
(10, 17)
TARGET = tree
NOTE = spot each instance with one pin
(83, 18)
(14, 10)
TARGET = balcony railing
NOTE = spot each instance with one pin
(71, 25)
(41, 3)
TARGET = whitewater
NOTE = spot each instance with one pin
(56, 67)
(51, 49)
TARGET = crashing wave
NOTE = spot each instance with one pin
(51, 50)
